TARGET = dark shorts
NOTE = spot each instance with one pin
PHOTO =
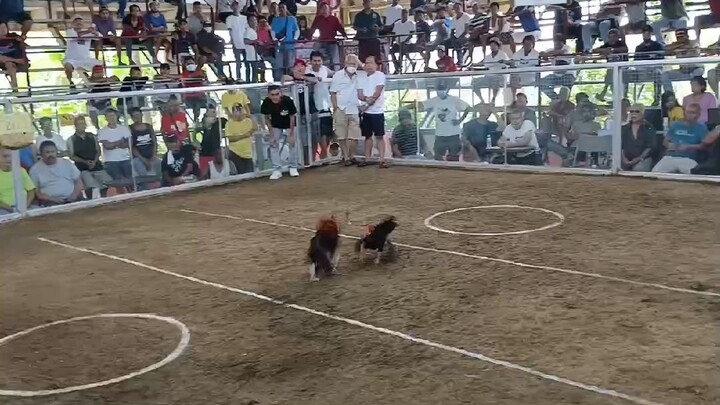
(224, 16)
(196, 102)
(372, 124)
(450, 144)
(16, 17)
(708, 20)
(368, 47)
(119, 170)
(326, 126)
(105, 41)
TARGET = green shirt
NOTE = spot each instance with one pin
(365, 20)
(673, 9)
(7, 190)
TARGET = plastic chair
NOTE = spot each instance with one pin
(592, 144)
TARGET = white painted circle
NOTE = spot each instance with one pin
(559, 216)
(184, 341)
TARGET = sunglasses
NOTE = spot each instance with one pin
(634, 111)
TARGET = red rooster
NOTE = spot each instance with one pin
(324, 251)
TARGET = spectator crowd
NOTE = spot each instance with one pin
(340, 96)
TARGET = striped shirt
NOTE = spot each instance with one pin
(406, 139)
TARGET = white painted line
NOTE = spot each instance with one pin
(478, 356)
(184, 341)
(479, 257)
(428, 221)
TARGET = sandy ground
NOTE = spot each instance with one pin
(644, 341)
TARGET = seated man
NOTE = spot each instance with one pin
(615, 50)
(105, 26)
(526, 57)
(178, 163)
(7, 184)
(403, 29)
(58, 180)
(404, 141)
(12, 55)
(77, 54)
(520, 134)
(478, 133)
(605, 20)
(84, 150)
(495, 62)
(683, 140)
(48, 134)
(562, 55)
(683, 47)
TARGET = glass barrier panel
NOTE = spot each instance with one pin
(673, 119)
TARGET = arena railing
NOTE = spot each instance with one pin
(143, 184)
(599, 153)
(549, 152)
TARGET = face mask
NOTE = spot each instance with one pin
(208, 29)
(351, 69)
(191, 68)
(442, 93)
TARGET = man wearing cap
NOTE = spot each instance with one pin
(115, 142)
(344, 98)
(211, 47)
(449, 112)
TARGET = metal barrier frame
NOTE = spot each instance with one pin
(614, 170)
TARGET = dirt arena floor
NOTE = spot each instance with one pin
(623, 295)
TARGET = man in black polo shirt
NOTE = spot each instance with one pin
(367, 24)
(279, 111)
(615, 50)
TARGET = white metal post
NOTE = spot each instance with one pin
(19, 184)
(618, 92)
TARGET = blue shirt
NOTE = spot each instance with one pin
(527, 19)
(285, 27)
(155, 21)
(680, 133)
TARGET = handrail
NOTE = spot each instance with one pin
(142, 93)
(220, 87)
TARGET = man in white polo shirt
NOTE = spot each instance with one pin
(371, 91)
(344, 98)
(403, 29)
(525, 57)
(458, 27)
(115, 141)
(520, 134)
(449, 111)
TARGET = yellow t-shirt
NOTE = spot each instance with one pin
(229, 100)
(243, 147)
(7, 191)
(676, 114)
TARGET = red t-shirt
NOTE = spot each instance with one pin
(130, 30)
(449, 64)
(199, 76)
(176, 125)
(328, 26)
(715, 9)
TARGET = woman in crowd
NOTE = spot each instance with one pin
(211, 130)
(670, 108)
(701, 97)
(638, 141)
(560, 109)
